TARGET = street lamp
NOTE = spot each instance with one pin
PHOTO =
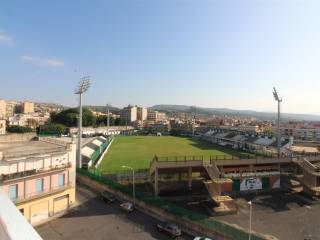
(133, 184)
(82, 87)
(250, 219)
(279, 100)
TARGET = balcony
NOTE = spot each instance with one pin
(34, 172)
(44, 193)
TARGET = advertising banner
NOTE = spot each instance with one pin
(250, 183)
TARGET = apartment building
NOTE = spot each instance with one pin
(129, 114)
(38, 176)
(2, 127)
(17, 120)
(3, 106)
(156, 116)
(29, 120)
(11, 108)
(142, 113)
(28, 107)
(7, 108)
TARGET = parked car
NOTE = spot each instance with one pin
(170, 229)
(107, 197)
(127, 206)
(202, 238)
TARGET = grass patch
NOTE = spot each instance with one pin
(138, 151)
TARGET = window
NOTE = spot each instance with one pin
(39, 185)
(61, 180)
(13, 191)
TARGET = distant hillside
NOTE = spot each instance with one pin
(231, 112)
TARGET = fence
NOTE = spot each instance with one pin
(213, 157)
(140, 175)
(221, 228)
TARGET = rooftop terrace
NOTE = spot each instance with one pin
(11, 150)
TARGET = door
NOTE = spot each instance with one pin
(60, 204)
(39, 212)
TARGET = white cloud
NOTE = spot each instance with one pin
(46, 62)
(5, 39)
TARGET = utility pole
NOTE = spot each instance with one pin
(279, 100)
(82, 87)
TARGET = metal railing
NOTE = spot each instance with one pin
(209, 158)
(17, 175)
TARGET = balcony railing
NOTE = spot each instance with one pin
(17, 175)
(43, 193)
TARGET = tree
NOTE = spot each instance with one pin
(103, 121)
(69, 117)
(19, 129)
(52, 128)
(32, 123)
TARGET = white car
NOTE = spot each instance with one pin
(127, 206)
(202, 238)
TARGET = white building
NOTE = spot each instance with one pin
(18, 120)
(142, 113)
(129, 114)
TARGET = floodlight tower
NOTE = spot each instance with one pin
(82, 87)
(108, 119)
(279, 100)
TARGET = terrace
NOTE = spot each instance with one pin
(9, 151)
(5, 178)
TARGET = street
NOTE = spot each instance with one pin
(94, 219)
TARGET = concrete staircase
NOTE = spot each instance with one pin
(225, 204)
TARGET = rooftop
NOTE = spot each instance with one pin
(27, 148)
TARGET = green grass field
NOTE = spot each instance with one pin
(138, 151)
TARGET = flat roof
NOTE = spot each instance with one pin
(21, 149)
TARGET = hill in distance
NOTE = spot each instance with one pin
(232, 112)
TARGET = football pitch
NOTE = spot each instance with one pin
(138, 151)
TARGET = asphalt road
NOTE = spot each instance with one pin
(94, 220)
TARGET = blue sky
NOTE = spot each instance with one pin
(206, 53)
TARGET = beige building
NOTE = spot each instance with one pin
(28, 107)
(3, 107)
(11, 108)
(7, 108)
(29, 120)
(2, 127)
(129, 114)
(142, 113)
(38, 176)
(156, 116)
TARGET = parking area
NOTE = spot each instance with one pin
(93, 219)
(287, 215)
